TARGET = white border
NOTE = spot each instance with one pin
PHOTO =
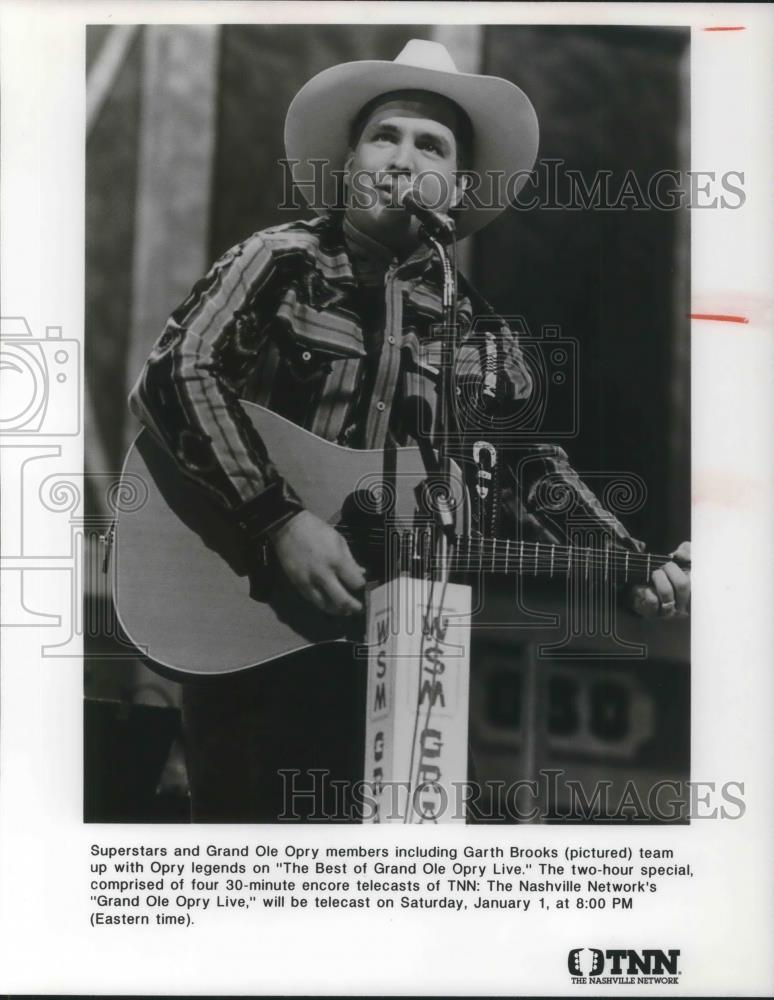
(723, 920)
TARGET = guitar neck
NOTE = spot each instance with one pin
(471, 554)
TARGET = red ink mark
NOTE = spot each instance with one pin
(739, 27)
(719, 317)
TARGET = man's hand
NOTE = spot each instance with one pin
(669, 591)
(317, 561)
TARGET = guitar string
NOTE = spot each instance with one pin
(354, 533)
(597, 556)
(544, 547)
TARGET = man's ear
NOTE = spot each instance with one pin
(347, 166)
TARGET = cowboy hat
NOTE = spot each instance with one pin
(505, 127)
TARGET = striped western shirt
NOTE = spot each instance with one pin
(321, 325)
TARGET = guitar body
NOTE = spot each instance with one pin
(190, 595)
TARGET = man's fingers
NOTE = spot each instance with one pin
(315, 596)
(681, 586)
(664, 591)
(329, 595)
(669, 591)
(682, 554)
(351, 575)
(644, 601)
(338, 599)
(324, 597)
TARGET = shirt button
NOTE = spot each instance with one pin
(380, 406)
(390, 340)
(306, 356)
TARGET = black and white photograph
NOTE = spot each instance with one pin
(339, 272)
(386, 396)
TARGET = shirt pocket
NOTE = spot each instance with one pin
(312, 340)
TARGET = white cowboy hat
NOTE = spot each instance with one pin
(505, 126)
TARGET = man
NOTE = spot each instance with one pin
(333, 324)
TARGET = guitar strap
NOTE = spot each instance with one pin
(485, 453)
(487, 486)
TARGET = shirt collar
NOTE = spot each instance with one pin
(345, 255)
(371, 259)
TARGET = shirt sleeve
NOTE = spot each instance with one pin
(547, 496)
(491, 370)
(187, 394)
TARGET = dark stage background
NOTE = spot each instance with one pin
(184, 133)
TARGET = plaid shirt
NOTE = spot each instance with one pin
(321, 325)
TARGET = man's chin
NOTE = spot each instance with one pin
(391, 226)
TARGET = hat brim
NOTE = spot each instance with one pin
(505, 130)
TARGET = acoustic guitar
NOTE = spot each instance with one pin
(193, 598)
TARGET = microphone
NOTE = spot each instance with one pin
(434, 223)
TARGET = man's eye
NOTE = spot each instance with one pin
(381, 137)
(431, 146)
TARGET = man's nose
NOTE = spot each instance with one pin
(403, 158)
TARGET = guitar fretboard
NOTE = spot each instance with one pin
(541, 559)
(413, 550)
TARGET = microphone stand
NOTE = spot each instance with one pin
(445, 612)
(447, 425)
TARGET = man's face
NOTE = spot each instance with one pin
(404, 145)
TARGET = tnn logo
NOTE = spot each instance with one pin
(622, 962)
